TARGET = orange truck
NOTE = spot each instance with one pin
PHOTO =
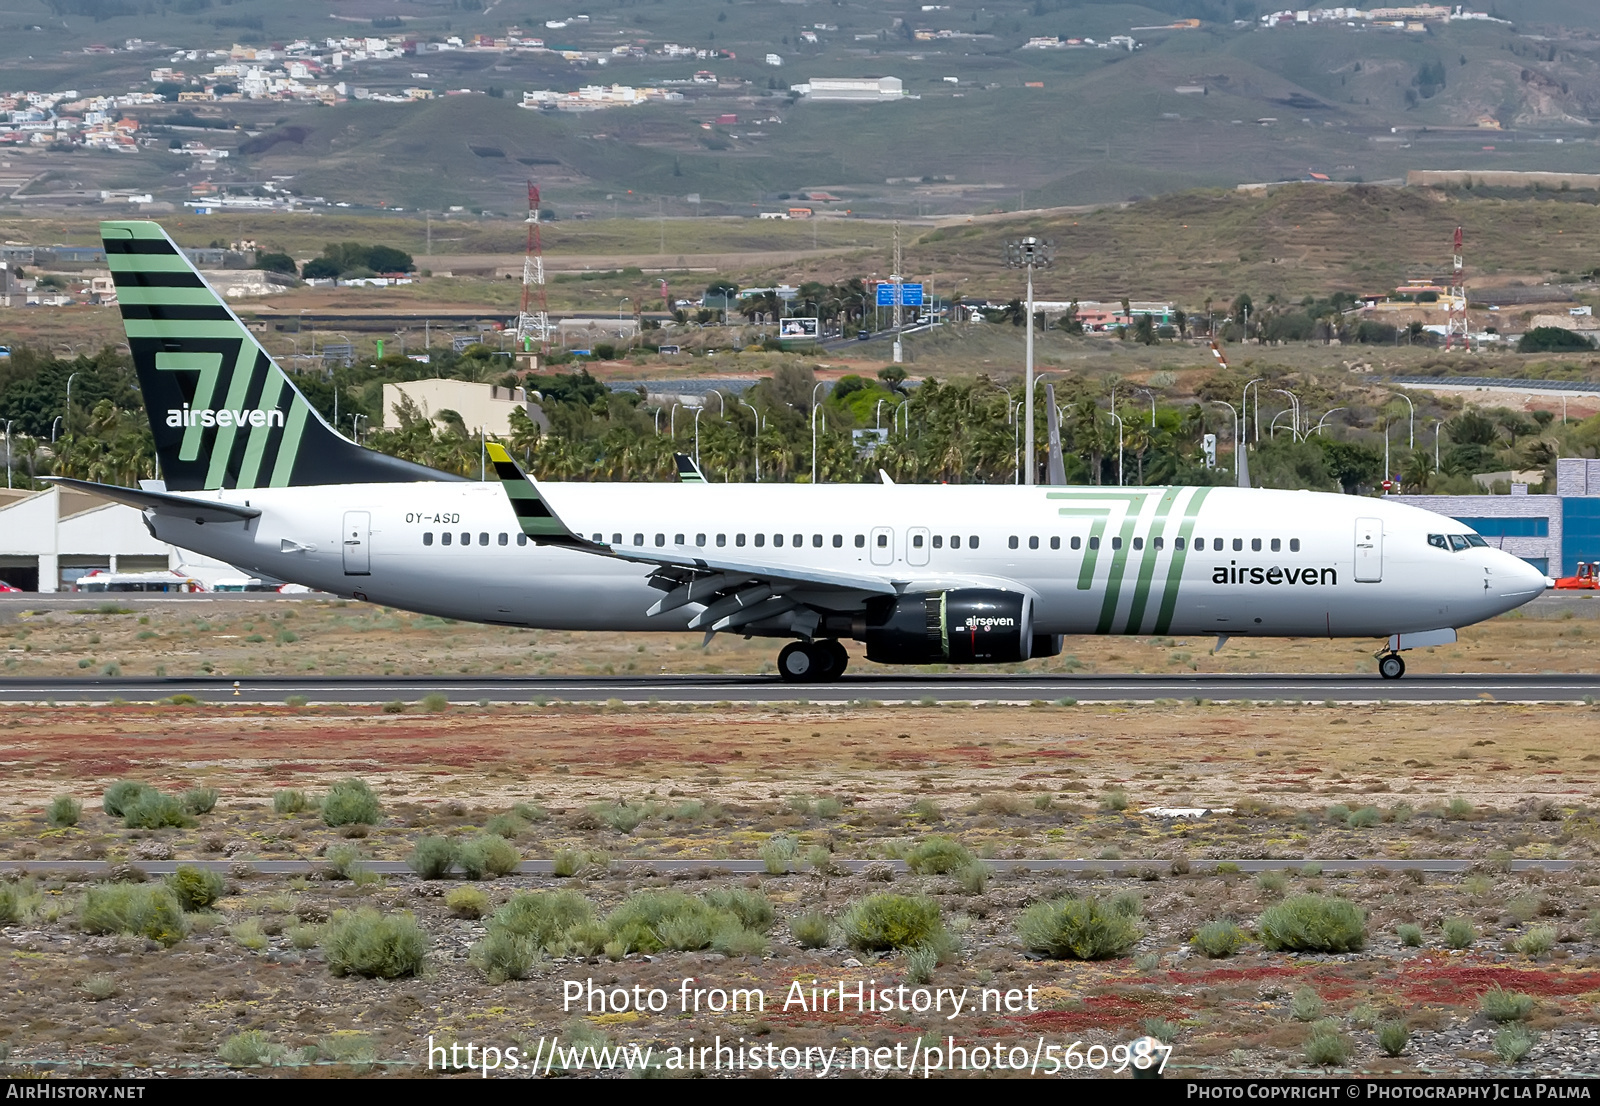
(1587, 578)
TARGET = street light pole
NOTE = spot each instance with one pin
(1411, 438)
(1026, 254)
(1244, 408)
(1318, 428)
(8, 453)
(68, 421)
(819, 384)
(755, 438)
(1119, 447)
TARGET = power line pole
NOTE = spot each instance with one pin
(1026, 254)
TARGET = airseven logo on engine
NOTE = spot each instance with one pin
(206, 416)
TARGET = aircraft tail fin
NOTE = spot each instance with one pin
(223, 413)
(688, 471)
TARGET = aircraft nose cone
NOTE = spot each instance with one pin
(1515, 578)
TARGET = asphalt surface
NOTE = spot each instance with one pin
(1125, 868)
(927, 689)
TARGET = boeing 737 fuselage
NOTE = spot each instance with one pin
(916, 574)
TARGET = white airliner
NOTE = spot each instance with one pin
(917, 574)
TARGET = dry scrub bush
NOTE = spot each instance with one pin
(290, 801)
(351, 802)
(810, 930)
(1313, 923)
(383, 946)
(432, 857)
(890, 921)
(154, 810)
(1500, 1005)
(1327, 1045)
(1218, 939)
(142, 910)
(251, 1049)
(488, 857)
(196, 888)
(466, 902)
(938, 855)
(1074, 928)
(200, 800)
(122, 795)
(64, 811)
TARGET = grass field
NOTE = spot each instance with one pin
(981, 789)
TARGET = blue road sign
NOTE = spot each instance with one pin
(910, 295)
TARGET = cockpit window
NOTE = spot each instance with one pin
(1437, 541)
(1458, 542)
(1476, 542)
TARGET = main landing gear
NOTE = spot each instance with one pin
(810, 662)
(1391, 666)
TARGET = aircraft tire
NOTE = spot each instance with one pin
(1391, 666)
(799, 663)
(841, 657)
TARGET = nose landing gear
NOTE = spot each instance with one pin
(812, 661)
(1391, 666)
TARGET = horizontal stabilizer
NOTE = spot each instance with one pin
(165, 503)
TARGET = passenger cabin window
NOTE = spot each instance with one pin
(1116, 543)
(638, 539)
(1294, 545)
(722, 540)
(777, 541)
(466, 539)
(972, 542)
(1160, 543)
(761, 539)
(616, 539)
(1094, 543)
(1177, 543)
(522, 539)
(661, 539)
(1076, 541)
(1238, 544)
(699, 539)
(1255, 545)
(427, 538)
(861, 541)
(1138, 543)
(483, 539)
(677, 539)
(938, 541)
(505, 539)
(916, 541)
(1012, 541)
(1033, 543)
(799, 540)
(816, 541)
(838, 541)
(955, 541)
(883, 541)
(444, 538)
(738, 540)
(1276, 545)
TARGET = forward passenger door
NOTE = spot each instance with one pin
(1369, 550)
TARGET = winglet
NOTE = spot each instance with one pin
(534, 515)
(688, 471)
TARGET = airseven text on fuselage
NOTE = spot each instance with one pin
(1231, 573)
(206, 416)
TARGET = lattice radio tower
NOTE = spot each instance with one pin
(1456, 323)
(533, 322)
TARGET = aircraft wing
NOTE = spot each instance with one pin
(163, 503)
(733, 592)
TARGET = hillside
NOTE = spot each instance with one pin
(987, 124)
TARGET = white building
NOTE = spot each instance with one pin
(853, 89)
(484, 407)
(48, 539)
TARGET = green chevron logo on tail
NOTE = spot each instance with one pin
(223, 414)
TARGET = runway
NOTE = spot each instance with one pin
(921, 689)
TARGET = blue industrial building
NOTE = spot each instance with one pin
(1551, 532)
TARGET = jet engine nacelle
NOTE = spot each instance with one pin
(963, 626)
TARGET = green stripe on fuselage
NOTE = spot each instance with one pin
(1169, 597)
(1147, 563)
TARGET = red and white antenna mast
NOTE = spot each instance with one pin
(533, 322)
(1456, 324)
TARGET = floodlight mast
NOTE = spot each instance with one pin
(1028, 253)
(533, 321)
